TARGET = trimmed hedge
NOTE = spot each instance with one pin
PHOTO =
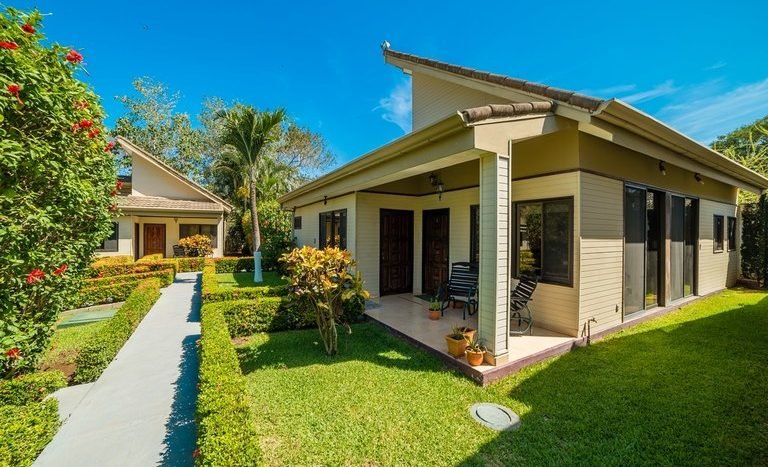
(112, 260)
(213, 292)
(99, 351)
(30, 388)
(190, 264)
(151, 258)
(26, 430)
(234, 264)
(109, 270)
(165, 275)
(246, 317)
(118, 288)
(226, 432)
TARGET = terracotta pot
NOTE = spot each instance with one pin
(475, 358)
(434, 314)
(469, 333)
(456, 347)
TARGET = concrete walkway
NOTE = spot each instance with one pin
(140, 412)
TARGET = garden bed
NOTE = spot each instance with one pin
(686, 387)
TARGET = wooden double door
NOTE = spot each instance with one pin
(396, 251)
(154, 239)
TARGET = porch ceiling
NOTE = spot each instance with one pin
(454, 177)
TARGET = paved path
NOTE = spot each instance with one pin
(140, 412)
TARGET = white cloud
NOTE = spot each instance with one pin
(397, 106)
(707, 113)
(667, 87)
(716, 66)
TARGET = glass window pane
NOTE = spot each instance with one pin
(653, 231)
(556, 241)
(529, 240)
(634, 249)
(718, 233)
(731, 233)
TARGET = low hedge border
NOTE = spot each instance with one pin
(151, 258)
(30, 388)
(263, 314)
(213, 292)
(226, 432)
(234, 264)
(165, 275)
(111, 291)
(189, 264)
(111, 260)
(26, 430)
(102, 347)
(110, 270)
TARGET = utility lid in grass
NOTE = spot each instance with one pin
(494, 416)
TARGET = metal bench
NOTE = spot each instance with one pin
(461, 287)
(178, 252)
(519, 310)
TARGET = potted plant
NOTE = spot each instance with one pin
(434, 309)
(457, 342)
(475, 351)
(468, 332)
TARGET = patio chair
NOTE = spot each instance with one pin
(461, 287)
(178, 252)
(519, 310)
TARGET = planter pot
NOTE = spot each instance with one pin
(434, 314)
(456, 347)
(475, 358)
(469, 333)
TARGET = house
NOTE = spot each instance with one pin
(158, 206)
(617, 214)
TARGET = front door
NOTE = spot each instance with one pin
(435, 252)
(396, 248)
(154, 239)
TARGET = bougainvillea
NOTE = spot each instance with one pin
(55, 185)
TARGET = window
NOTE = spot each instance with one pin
(717, 235)
(110, 243)
(211, 230)
(333, 229)
(474, 233)
(297, 223)
(544, 240)
(731, 233)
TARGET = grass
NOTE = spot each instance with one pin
(687, 388)
(245, 279)
(65, 345)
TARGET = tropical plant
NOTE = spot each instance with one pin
(196, 245)
(248, 137)
(748, 146)
(474, 344)
(276, 228)
(434, 304)
(324, 279)
(57, 182)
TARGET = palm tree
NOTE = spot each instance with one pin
(249, 138)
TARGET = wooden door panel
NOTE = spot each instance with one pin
(154, 239)
(396, 252)
(435, 252)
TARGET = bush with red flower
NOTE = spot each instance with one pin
(55, 186)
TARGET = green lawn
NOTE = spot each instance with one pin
(65, 345)
(688, 388)
(245, 279)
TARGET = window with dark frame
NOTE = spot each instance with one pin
(731, 233)
(297, 223)
(474, 233)
(717, 234)
(210, 230)
(544, 231)
(333, 229)
(110, 243)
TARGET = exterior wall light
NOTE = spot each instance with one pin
(662, 168)
(698, 178)
(437, 185)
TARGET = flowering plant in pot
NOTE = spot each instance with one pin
(457, 342)
(475, 351)
(434, 309)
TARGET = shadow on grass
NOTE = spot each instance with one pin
(688, 392)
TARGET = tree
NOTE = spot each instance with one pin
(248, 138)
(152, 123)
(748, 146)
(57, 179)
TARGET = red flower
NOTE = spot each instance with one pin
(14, 89)
(85, 123)
(119, 184)
(13, 353)
(8, 45)
(60, 270)
(26, 27)
(35, 276)
(113, 207)
(94, 133)
(80, 105)
(74, 57)
(109, 146)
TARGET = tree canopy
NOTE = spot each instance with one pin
(747, 145)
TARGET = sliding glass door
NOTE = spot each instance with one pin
(642, 248)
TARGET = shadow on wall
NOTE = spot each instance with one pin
(688, 393)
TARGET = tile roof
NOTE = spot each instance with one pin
(477, 114)
(151, 202)
(549, 92)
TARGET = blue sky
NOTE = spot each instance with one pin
(701, 67)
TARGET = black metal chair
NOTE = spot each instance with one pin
(178, 252)
(519, 310)
(461, 287)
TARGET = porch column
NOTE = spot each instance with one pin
(494, 256)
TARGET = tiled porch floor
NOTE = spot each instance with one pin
(407, 315)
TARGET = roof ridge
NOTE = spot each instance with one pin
(561, 95)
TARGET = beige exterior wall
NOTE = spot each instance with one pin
(148, 180)
(124, 238)
(310, 221)
(716, 270)
(435, 99)
(555, 307)
(555, 152)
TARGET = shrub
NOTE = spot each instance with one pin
(151, 258)
(133, 268)
(213, 292)
(190, 264)
(99, 351)
(111, 260)
(26, 430)
(197, 245)
(754, 217)
(323, 279)
(226, 431)
(276, 227)
(165, 275)
(56, 182)
(30, 388)
(118, 288)
(237, 264)
(246, 317)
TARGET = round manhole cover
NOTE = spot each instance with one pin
(494, 416)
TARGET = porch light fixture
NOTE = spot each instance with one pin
(325, 200)
(698, 178)
(662, 168)
(437, 185)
